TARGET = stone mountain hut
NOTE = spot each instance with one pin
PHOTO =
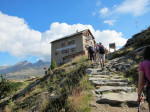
(68, 47)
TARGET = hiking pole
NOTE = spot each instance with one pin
(139, 106)
(140, 103)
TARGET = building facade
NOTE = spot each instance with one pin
(68, 47)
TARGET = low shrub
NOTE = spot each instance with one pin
(7, 87)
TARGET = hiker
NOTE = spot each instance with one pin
(144, 75)
(96, 53)
(91, 54)
(102, 55)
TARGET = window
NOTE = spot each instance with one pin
(56, 53)
(62, 44)
(65, 51)
(71, 42)
(73, 49)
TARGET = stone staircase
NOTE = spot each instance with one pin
(111, 88)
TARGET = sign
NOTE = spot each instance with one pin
(112, 45)
(66, 48)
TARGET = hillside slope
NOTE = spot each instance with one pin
(51, 92)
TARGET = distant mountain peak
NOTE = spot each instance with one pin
(39, 61)
(22, 62)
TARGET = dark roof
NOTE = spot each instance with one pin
(77, 33)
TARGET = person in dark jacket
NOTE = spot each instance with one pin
(91, 54)
(102, 55)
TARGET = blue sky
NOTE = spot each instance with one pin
(27, 26)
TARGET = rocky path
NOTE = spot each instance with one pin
(113, 93)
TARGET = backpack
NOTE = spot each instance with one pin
(101, 50)
(91, 50)
(97, 48)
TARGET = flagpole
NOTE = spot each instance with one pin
(137, 26)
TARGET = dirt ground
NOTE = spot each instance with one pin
(124, 108)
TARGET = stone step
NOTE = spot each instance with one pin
(104, 73)
(114, 89)
(119, 80)
(116, 76)
(97, 72)
(109, 80)
(100, 83)
(96, 78)
(99, 76)
(105, 76)
(90, 70)
(117, 98)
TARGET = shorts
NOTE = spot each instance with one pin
(148, 95)
(102, 57)
(92, 56)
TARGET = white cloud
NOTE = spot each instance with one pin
(93, 13)
(104, 10)
(114, 6)
(98, 3)
(110, 36)
(110, 22)
(135, 7)
(19, 40)
(105, 36)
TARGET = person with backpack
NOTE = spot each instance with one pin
(91, 54)
(97, 54)
(102, 55)
(144, 76)
(96, 57)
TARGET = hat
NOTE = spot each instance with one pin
(100, 43)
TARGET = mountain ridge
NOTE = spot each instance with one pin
(24, 69)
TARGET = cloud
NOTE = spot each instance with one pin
(98, 3)
(93, 13)
(105, 36)
(110, 36)
(19, 40)
(104, 10)
(110, 22)
(135, 7)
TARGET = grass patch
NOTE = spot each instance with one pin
(123, 52)
(132, 75)
(79, 100)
